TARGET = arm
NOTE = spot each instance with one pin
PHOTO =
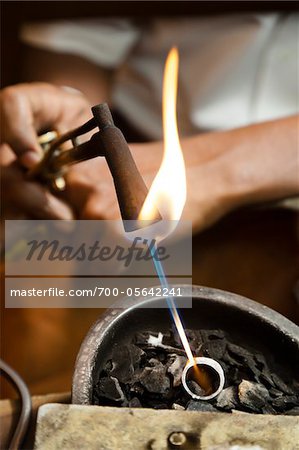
(225, 170)
(229, 169)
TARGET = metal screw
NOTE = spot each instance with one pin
(177, 439)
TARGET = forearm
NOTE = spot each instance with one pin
(229, 169)
(251, 164)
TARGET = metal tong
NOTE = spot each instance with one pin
(108, 142)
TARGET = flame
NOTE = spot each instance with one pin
(168, 190)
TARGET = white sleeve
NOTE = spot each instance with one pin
(104, 42)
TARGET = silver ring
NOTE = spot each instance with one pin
(202, 361)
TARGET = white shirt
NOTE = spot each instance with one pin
(234, 69)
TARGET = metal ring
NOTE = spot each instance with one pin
(202, 361)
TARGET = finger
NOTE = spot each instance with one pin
(17, 126)
(31, 108)
(44, 205)
(32, 198)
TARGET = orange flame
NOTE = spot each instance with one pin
(168, 190)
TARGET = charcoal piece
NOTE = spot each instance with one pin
(228, 398)
(108, 366)
(231, 361)
(142, 338)
(285, 402)
(282, 386)
(148, 375)
(252, 366)
(125, 359)
(195, 341)
(214, 349)
(168, 349)
(162, 357)
(292, 412)
(275, 393)
(267, 409)
(238, 351)
(109, 388)
(208, 335)
(154, 378)
(177, 407)
(232, 374)
(260, 360)
(266, 378)
(136, 388)
(156, 404)
(202, 406)
(176, 367)
(168, 338)
(135, 403)
(253, 395)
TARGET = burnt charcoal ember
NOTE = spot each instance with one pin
(154, 378)
(194, 339)
(267, 409)
(266, 378)
(125, 360)
(293, 411)
(252, 395)
(209, 335)
(109, 388)
(153, 341)
(282, 386)
(177, 407)
(214, 349)
(135, 403)
(275, 393)
(203, 406)
(176, 367)
(147, 373)
(136, 389)
(142, 338)
(285, 402)
(228, 398)
(239, 352)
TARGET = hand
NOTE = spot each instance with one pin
(29, 109)
(26, 110)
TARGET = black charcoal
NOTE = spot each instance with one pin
(176, 367)
(125, 359)
(202, 406)
(135, 403)
(147, 373)
(252, 395)
(228, 398)
(293, 411)
(285, 402)
(214, 349)
(154, 378)
(282, 386)
(177, 407)
(109, 387)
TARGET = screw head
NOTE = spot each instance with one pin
(177, 439)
